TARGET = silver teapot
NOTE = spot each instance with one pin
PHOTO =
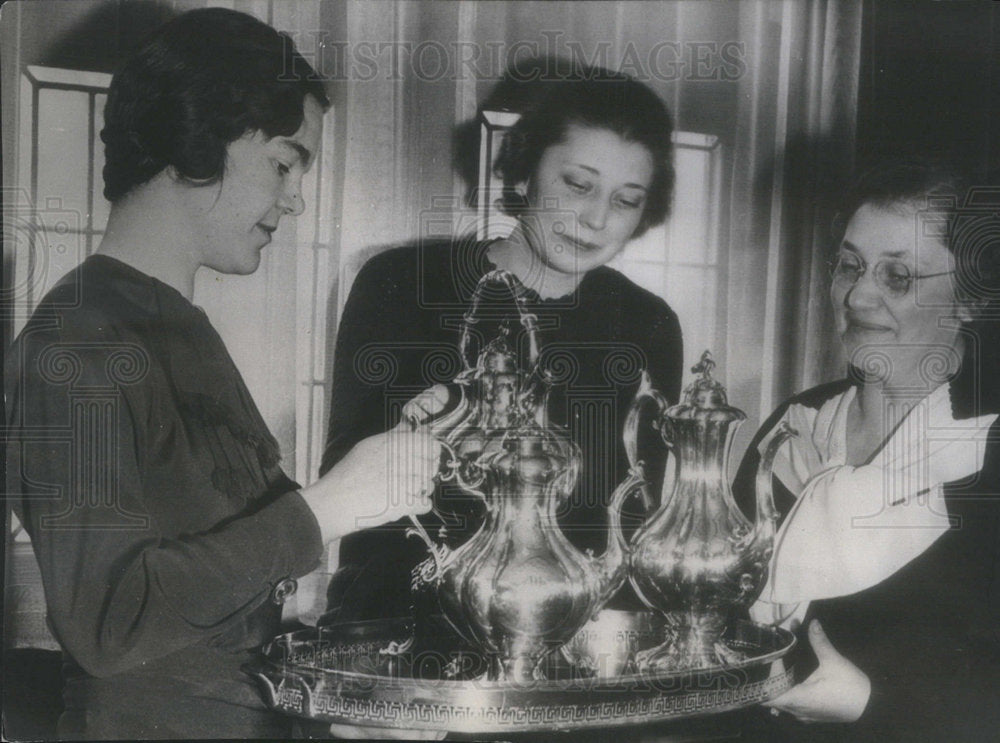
(696, 558)
(517, 589)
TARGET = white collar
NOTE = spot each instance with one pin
(853, 527)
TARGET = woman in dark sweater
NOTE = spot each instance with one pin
(889, 552)
(586, 168)
(166, 532)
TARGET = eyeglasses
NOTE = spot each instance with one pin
(894, 278)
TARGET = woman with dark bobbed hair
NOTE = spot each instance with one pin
(586, 168)
(600, 100)
(889, 550)
(184, 98)
(166, 533)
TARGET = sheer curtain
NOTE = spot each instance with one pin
(794, 152)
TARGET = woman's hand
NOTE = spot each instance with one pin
(837, 691)
(382, 479)
(427, 405)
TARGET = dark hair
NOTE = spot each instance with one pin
(198, 83)
(597, 98)
(911, 183)
(949, 209)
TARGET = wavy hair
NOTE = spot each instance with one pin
(600, 99)
(197, 84)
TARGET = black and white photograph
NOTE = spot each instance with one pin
(486, 370)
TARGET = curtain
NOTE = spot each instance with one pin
(794, 153)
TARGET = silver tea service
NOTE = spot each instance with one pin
(518, 590)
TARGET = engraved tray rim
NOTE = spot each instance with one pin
(375, 700)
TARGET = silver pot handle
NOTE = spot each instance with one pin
(630, 434)
(527, 319)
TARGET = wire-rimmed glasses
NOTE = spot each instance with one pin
(893, 277)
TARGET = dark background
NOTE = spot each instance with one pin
(930, 83)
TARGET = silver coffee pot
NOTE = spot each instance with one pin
(696, 558)
(517, 589)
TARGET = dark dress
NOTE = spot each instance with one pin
(399, 335)
(928, 636)
(161, 521)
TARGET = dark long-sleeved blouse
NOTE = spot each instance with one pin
(399, 335)
(161, 521)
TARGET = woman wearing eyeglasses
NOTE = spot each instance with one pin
(888, 554)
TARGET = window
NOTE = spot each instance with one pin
(59, 211)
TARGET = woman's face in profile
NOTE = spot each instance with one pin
(234, 219)
(886, 309)
(587, 197)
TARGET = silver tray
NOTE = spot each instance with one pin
(386, 673)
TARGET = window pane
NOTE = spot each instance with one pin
(689, 228)
(63, 150)
(649, 247)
